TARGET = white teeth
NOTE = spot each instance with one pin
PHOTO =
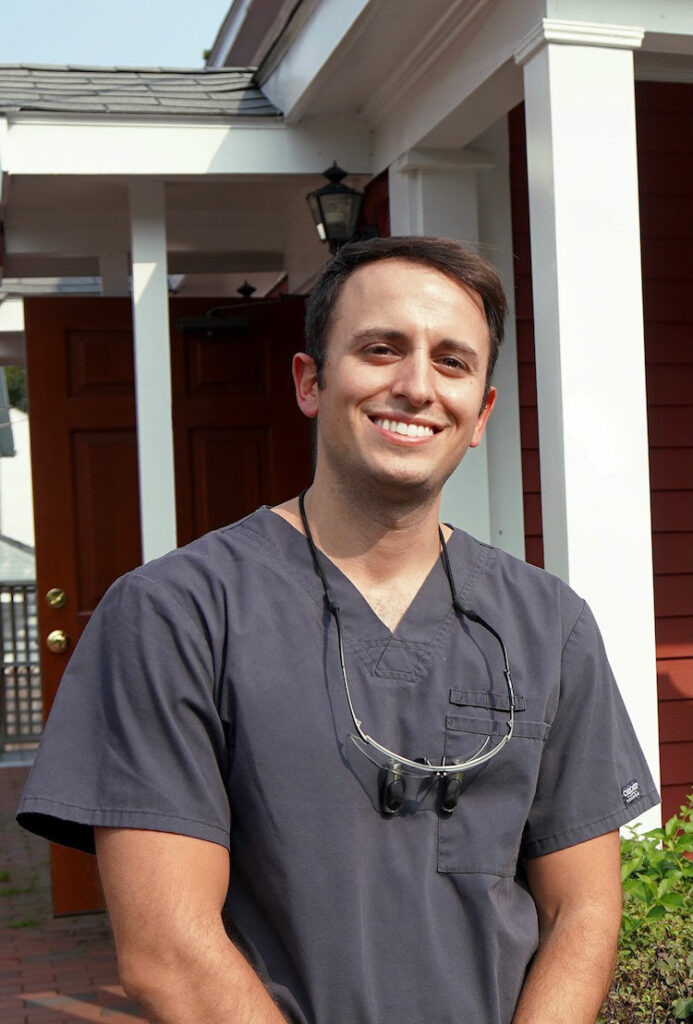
(406, 429)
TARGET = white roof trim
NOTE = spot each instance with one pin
(578, 33)
(423, 57)
(443, 160)
(117, 148)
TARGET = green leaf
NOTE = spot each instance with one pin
(656, 912)
(683, 1009)
(671, 825)
(651, 884)
(668, 883)
(673, 900)
(628, 867)
(638, 890)
(683, 843)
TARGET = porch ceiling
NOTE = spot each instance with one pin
(60, 226)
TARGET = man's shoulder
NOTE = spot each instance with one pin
(503, 578)
(496, 560)
(215, 563)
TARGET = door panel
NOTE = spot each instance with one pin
(239, 441)
(106, 500)
(244, 456)
(81, 394)
(82, 411)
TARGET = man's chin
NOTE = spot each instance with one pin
(400, 483)
(408, 489)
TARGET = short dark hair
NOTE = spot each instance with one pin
(462, 265)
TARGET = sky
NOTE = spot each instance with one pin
(144, 33)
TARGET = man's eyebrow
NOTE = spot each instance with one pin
(378, 334)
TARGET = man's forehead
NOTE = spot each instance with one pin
(391, 271)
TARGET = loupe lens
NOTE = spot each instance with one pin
(392, 788)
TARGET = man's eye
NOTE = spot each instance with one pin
(453, 363)
(380, 350)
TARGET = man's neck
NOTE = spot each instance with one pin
(384, 538)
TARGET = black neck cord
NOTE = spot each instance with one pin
(468, 613)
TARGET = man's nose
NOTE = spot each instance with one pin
(414, 379)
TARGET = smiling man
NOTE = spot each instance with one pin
(407, 362)
(410, 742)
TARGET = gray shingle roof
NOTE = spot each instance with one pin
(223, 92)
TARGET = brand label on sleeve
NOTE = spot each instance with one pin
(630, 792)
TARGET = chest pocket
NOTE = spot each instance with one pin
(484, 833)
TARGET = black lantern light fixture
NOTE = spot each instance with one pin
(335, 208)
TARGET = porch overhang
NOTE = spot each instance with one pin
(45, 144)
(73, 142)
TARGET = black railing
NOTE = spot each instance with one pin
(21, 704)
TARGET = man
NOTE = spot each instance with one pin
(410, 742)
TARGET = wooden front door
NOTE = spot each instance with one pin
(239, 442)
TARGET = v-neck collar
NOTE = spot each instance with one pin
(429, 608)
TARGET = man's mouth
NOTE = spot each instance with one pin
(405, 429)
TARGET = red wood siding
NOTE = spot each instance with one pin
(524, 312)
(665, 150)
(665, 165)
(375, 213)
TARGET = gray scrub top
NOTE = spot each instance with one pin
(205, 698)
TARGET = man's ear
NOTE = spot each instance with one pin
(482, 418)
(305, 374)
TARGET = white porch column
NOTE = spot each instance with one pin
(437, 192)
(152, 368)
(583, 192)
(434, 192)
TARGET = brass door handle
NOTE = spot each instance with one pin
(57, 641)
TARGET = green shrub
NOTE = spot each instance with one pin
(16, 387)
(653, 980)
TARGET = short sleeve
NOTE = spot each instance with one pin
(134, 739)
(593, 777)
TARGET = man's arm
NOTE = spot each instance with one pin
(165, 894)
(578, 896)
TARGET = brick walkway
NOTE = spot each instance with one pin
(52, 970)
